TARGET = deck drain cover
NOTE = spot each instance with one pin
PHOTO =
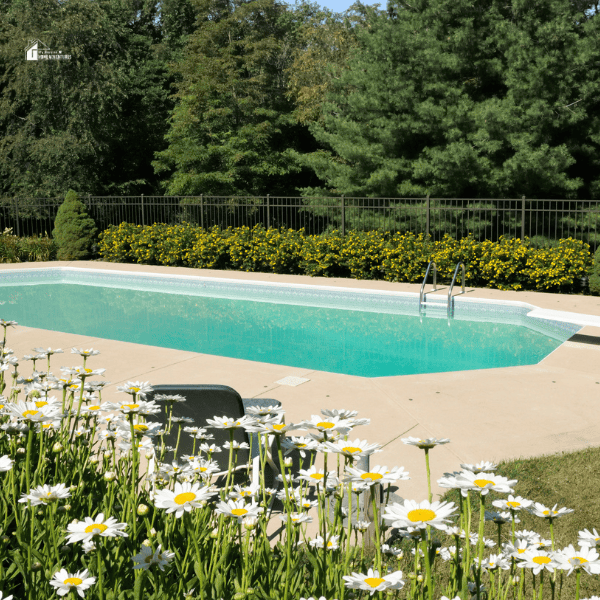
(292, 381)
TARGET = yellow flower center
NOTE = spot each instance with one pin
(93, 408)
(238, 512)
(513, 504)
(483, 482)
(546, 512)
(185, 497)
(580, 559)
(135, 390)
(329, 544)
(541, 560)
(73, 581)
(278, 426)
(297, 445)
(30, 412)
(325, 425)
(521, 550)
(131, 406)
(374, 581)
(140, 427)
(96, 528)
(351, 449)
(203, 469)
(41, 403)
(317, 476)
(372, 476)
(421, 514)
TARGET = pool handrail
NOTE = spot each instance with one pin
(421, 294)
(460, 264)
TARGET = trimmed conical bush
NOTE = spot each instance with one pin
(595, 275)
(74, 229)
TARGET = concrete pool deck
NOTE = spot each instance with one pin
(490, 414)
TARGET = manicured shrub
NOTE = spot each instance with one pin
(508, 264)
(595, 274)
(74, 230)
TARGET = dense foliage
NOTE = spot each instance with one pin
(26, 249)
(229, 97)
(74, 230)
(509, 264)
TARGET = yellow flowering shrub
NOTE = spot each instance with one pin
(508, 264)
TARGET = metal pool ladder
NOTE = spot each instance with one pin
(450, 303)
(422, 292)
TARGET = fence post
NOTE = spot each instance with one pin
(427, 213)
(16, 203)
(343, 215)
(202, 211)
(268, 211)
(522, 217)
(142, 210)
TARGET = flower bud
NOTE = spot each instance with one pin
(110, 475)
(4, 539)
(21, 451)
(65, 549)
(214, 534)
(65, 508)
(107, 454)
(152, 532)
(250, 591)
(94, 460)
(239, 596)
(420, 578)
(35, 394)
(73, 489)
(288, 462)
(36, 566)
(142, 510)
(40, 513)
(147, 543)
(250, 523)
(149, 455)
(58, 447)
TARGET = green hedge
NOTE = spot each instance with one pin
(508, 264)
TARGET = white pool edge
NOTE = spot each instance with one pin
(535, 312)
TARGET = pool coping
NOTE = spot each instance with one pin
(490, 414)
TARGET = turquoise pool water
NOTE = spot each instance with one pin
(353, 342)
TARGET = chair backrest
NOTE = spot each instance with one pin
(204, 401)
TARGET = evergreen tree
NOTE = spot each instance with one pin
(233, 126)
(74, 230)
(466, 99)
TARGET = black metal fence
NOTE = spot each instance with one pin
(544, 221)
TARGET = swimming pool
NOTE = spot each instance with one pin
(340, 330)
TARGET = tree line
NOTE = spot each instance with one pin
(451, 98)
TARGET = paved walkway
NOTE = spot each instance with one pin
(488, 414)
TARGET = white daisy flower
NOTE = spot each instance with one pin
(296, 518)
(387, 549)
(332, 542)
(494, 562)
(6, 324)
(500, 518)
(372, 582)
(480, 467)
(89, 528)
(313, 475)
(184, 498)
(419, 515)
(236, 445)
(28, 411)
(529, 536)
(82, 372)
(484, 482)
(146, 558)
(303, 444)
(239, 492)
(6, 463)
(182, 420)
(513, 503)
(45, 494)
(48, 351)
(537, 560)
(354, 449)
(264, 411)
(136, 388)
(571, 559)
(2, 597)
(228, 422)
(342, 413)
(425, 444)
(238, 509)
(87, 353)
(326, 424)
(377, 475)
(65, 582)
(138, 407)
(169, 398)
(539, 510)
(204, 468)
(585, 537)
